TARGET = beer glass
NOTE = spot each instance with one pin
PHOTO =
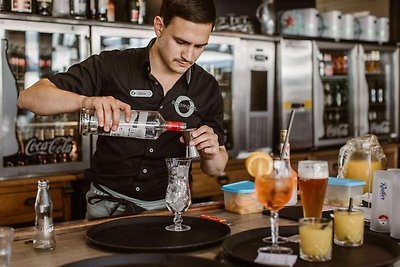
(178, 192)
(313, 180)
(274, 191)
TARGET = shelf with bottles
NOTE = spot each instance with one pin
(373, 64)
(132, 11)
(46, 140)
(332, 63)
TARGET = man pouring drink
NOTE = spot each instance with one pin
(130, 175)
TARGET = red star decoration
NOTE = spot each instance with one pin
(289, 21)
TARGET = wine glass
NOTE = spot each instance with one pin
(274, 191)
(178, 197)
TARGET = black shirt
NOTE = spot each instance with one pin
(136, 167)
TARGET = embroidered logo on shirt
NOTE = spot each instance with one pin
(141, 93)
(184, 106)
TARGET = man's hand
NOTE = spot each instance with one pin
(206, 142)
(108, 111)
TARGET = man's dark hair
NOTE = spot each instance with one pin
(197, 11)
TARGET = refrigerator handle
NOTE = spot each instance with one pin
(363, 96)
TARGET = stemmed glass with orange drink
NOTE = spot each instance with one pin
(273, 186)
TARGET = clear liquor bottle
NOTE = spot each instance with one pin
(44, 231)
(142, 125)
(286, 156)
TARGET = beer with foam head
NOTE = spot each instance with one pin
(313, 180)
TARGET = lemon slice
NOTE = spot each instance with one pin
(258, 163)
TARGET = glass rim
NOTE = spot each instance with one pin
(178, 159)
(311, 161)
(315, 220)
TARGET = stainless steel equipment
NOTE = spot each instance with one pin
(295, 83)
(258, 99)
(32, 144)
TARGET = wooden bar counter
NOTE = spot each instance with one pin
(71, 244)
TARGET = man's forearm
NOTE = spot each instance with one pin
(216, 165)
(44, 98)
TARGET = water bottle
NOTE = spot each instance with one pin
(395, 218)
(382, 197)
(44, 230)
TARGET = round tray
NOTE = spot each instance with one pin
(148, 234)
(377, 250)
(146, 260)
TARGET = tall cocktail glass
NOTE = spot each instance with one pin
(178, 197)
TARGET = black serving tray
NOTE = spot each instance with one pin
(148, 234)
(146, 260)
(377, 250)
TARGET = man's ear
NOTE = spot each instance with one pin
(158, 25)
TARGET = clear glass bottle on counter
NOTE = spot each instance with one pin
(143, 125)
(44, 230)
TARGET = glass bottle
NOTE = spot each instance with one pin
(78, 9)
(23, 6)
(143, 125)
(111, 11)
(134, 11)
(286, 156)
(43, 7)
(44, 231)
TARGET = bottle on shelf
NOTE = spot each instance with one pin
(143, 125)
(61, 8)
(22, 6)
(78, 9)
(286, 156)
(111, 11)
(134, 11)
(102, 10)
(43, 7)
(44, 230)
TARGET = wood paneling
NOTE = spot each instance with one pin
(379, 8)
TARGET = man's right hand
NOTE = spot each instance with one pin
(108, 110)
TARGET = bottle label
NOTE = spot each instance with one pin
(135, 128)
(47, 228)
(21, 6)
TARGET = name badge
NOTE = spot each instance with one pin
(141, 93)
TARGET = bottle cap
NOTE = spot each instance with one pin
(176, 126)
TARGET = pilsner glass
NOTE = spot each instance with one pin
(313, 180)
(274, 191)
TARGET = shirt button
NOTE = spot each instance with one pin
(144, 170)
(151, 150)
(161, 107)
(137, 188)
(156, 83)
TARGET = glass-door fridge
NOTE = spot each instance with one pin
(379, 91)
(31, 144)
(335, 97)
(220, 58)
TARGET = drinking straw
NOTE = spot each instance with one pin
(350, 208)
(284, 153)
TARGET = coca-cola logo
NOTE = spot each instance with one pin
(337, 130)
(58, 145)
(380, 128)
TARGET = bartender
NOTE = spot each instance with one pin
(130, 175)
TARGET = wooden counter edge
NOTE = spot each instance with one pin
(82, 225)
